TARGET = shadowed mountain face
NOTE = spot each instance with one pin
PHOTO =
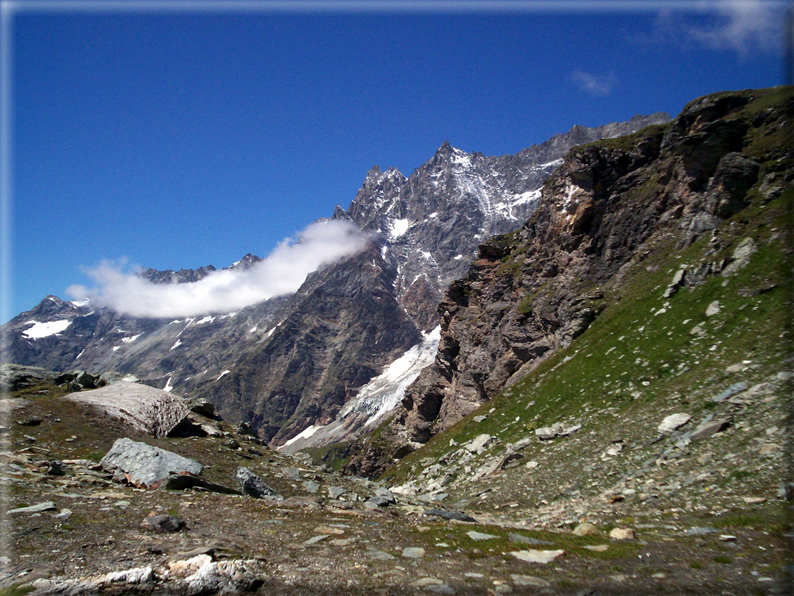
(293, 362)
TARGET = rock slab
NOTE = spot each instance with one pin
(144, 465)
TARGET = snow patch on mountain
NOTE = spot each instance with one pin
(305, 434)
(39, 330)
(398, 228)
(382, 394)
(375, 399)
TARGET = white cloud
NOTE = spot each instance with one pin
(600, 85)
(741, 25)
(282, 272)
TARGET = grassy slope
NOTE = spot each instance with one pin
(639, 362)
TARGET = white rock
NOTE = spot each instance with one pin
(713, 308)
(672, 422)
(478, 443)
(622, 534)
(537, 556)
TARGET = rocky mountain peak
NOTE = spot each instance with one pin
(246, 262)
(169, 276)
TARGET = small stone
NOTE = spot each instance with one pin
(165, 523)
(531, 465)
(292, 473)
(673, 422)
(453, 515)
(585, 529)
(599, 548)
(425, 581)
(253, 486)
(46, 506)
(413, 552)
(526, 540)
(622, 534)
(341, 541)
(546, 433)
(706, 429)
(727, 538)
(478, 443)
(385, 493)
(55, 468)
(730, 391)
(530, 581)
(769, 449)
(699, 531)
(329, 530)
(480, 536)
(376, 502)
(335, 492)
(29, 422)
(378, 555)
(315, 539)
(754, 500)
(480, 418)
(440, 589)
(713, 308)
(537, 556)
(310, 486)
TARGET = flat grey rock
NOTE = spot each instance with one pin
(454, 515)
(480, 536)
(46, 506)
(413, 552)
(144, 465)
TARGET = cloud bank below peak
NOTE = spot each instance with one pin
(281, 272)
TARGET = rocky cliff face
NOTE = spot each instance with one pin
(433, 221)
(531, 292)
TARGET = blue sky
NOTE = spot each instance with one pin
(181, 139)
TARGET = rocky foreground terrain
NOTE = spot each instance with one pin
(75, 523)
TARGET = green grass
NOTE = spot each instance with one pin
(16, 590)
(741, 520)
(335, 455)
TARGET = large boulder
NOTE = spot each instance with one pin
(144, 465)
(144, 408)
